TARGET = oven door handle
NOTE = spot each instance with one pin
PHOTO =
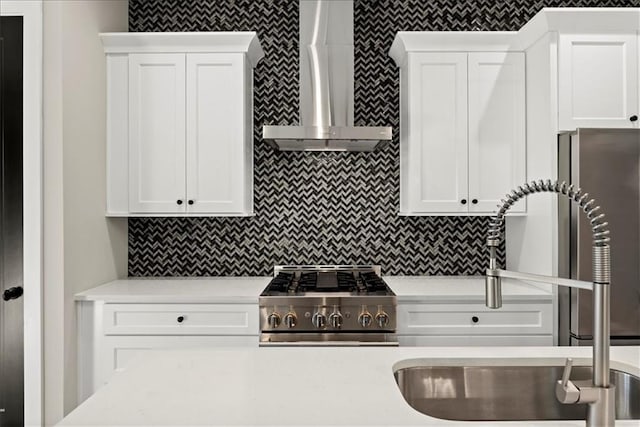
(329, 344)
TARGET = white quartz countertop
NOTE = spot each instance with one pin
(241, 290)
(442, 288)
(298, 386)
(186, 290)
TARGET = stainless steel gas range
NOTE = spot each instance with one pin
(327, 305)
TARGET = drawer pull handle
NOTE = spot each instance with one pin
(475, 319)
(180, 319)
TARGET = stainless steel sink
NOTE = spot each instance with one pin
(492, 393)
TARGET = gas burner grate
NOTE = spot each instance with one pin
(346, 281)
(299, 280)
(307, 282)
(281, 283)
(373, 282)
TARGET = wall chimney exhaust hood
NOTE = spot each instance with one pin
(326, 86)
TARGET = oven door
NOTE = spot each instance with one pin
(328, 339)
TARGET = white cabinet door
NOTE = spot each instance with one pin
(598, 80)
(437, 133)
(496, 128)
(215, 133)
(157, 133)
(119, 350)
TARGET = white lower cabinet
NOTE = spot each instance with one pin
(473, 324)
(111, 335)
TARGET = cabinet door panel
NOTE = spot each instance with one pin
(215, 133)
(120, 350)
(496, 128)
(436, 158)
(598, 80)
(156, 133)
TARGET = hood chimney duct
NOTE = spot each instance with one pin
(326, 85)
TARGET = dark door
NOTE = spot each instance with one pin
(11, 308)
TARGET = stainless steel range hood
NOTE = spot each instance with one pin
(326, 86)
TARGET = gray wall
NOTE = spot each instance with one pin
(82, 248)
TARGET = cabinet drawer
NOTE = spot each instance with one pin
(180, 319)
(474, 319)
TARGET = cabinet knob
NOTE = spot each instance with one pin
(474, 201)
(190, 202)
(463, 201)
(475, 319)
(179, 201)
(633, 118)
(180, 319)
(12, 293)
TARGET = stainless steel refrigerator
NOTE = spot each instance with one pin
(605, 163)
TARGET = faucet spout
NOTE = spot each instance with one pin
(493, 284)
(599, 393)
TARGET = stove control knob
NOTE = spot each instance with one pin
(290, 320)
(336, 320)
(382, 318)
(274, 320)
(365, 319)
(319, 320)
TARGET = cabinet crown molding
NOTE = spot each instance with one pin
(245, 42)
(452, 41)
(567, 20)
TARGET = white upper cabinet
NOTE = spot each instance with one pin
(588, 63)
(598, 80)
(179, 118)
(462, 125)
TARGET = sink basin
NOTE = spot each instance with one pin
(492, 393)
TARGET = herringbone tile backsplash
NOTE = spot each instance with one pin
(321, 208)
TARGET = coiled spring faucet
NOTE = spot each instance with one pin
(598, 393)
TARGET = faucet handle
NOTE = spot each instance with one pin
(567, 371)
(566, 391)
